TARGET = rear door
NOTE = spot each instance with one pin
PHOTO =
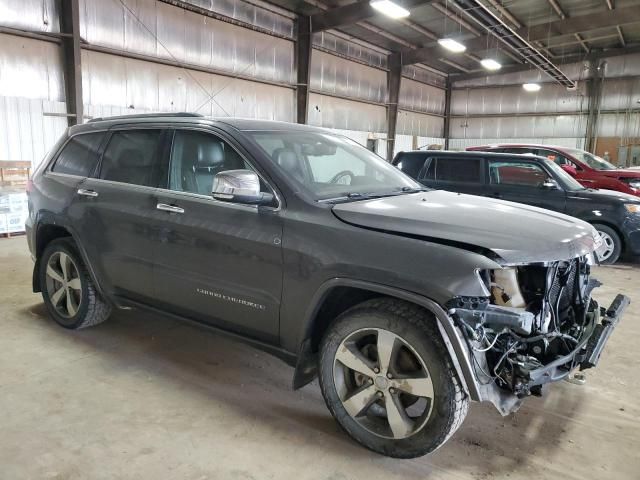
(454, 173)
(523, 181)
(115, 212)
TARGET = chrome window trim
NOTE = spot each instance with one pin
(199, 196)
(222, 136)
(123, 184)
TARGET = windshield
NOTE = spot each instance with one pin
(567, 182)
(331, 166)
(593, 161)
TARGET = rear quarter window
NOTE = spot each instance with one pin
(80, 155)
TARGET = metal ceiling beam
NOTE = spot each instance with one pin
(488, 20)
(72, 55)
(554, 4)
(350, 14)
(456, 18)
(583, 23)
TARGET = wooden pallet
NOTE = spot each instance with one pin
(14, 174)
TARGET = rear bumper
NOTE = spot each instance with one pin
(588, 350)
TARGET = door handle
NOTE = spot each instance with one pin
(169, 208)
(87, 193)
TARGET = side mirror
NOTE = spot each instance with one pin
(550, 184)
(239, 186)
(571, 170)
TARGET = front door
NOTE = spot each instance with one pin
(524, 182)
(216, 262)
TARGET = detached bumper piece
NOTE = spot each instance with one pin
(602, 331)
(587, 352)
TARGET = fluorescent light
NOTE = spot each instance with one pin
(531, 87)
(452, 45)
(389, 8)
(490, 64)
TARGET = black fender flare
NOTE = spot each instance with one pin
(47, 218)
(305, 370)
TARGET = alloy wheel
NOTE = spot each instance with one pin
(383, 383)
(607, 248)
(63, 284)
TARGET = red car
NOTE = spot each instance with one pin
(590, 170)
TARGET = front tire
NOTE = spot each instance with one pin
(67, 288)
(388, 380)
(611, 249)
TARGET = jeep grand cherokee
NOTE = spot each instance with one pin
(407, 303)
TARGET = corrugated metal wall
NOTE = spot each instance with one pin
(496, 108)
(348, 78)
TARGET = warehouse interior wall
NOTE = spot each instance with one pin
(496, 109)
(149, 56)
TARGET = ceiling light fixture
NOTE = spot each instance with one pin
(531, 87)
(452, 45)
(490, 64)
(389, 8)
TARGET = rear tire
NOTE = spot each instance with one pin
(402, 398)
(67, 288)
(611, 250)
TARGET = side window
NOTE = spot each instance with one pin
(557, 158)
(196, 157)
(80, 155)
(411, 164)
(459, 170)
(130, 157)
(522, 174)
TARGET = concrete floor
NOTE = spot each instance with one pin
(145, 397)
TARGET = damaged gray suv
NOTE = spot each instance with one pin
(405, 302)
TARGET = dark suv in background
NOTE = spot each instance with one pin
(535, 181)
(309, 246)
(587, 168)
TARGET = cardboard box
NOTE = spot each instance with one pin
(16, 221)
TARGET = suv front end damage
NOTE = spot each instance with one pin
(536, 325)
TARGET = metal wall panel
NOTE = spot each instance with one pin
(412, 123)
(28, 133)
(185, 36)
(620, 93)
(570, 142)
(421, 97)
(30, 68)
(136, 85)
(571, 126)
(35, 15)
(338, 76)
(515, 100)
(342, 46)
(423, 75)
(623, 125)
(623, 66)
(331, 112)
(249, 13)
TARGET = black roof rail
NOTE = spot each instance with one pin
(146, 115)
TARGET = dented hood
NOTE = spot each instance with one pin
(515, 232)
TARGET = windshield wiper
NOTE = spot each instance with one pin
(355, 196)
